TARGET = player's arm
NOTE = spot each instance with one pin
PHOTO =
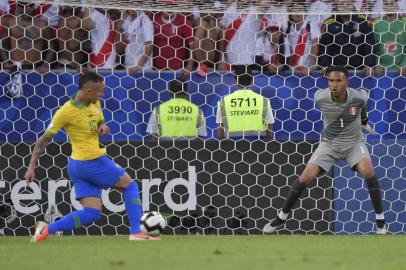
(219, 121)
(39, 149)
(220, 131)
(148, 29)
(103, 128)
(48, 39)
(202, 130)
(364, 119)
(269, 131)
(221, 45)
(148, 49)
(270, 120)
(190, 40)
(58, 121)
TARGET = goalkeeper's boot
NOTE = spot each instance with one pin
(274, 225)
(142, 236)
(381, 227)
(41, 232)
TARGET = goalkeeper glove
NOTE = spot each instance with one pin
(368, 128)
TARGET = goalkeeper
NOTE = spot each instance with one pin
(89, 168)
(344, 112)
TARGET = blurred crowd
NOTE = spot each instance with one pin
(48, 37)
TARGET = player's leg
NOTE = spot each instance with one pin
(309, 174)
(359, 159)
(321, 161)
(86, 192)
(109, 175)
(90, 213)
(133, 207)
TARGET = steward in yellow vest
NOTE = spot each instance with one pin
(244, 112)
(177, 118)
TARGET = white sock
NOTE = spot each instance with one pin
(282, 215)
(379, 216)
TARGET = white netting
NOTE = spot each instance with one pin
(205, 185)
(216, 6)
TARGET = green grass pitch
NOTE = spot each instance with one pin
(206, 252)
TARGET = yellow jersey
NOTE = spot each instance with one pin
(81, 123)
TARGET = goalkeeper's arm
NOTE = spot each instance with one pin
(364, 121)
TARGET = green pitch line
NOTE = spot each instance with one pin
(206, 252)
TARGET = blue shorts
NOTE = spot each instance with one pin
(90, 176)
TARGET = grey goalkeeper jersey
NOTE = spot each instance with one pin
(342, 121)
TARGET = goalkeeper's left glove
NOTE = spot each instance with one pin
(368, 128)
(365, 126)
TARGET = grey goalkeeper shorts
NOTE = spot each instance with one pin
(325, 156)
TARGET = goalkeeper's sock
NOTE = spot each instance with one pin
(294, 194)
(74, 220)
(133, 207)
(375, 194)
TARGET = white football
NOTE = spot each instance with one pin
(152, 223)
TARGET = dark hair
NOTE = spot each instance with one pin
(244, 80)
(89, 77)
(177, 87)
(330, 69)
(243, 75)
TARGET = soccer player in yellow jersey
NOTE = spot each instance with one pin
(89, 168)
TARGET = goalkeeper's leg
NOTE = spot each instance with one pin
(309, 174)
(364, 167)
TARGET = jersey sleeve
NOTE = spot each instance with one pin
(58, 121)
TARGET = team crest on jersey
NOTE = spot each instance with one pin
(353, 110)
(96, 111)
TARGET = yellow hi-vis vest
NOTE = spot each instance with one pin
(244, 112)
(178, 117)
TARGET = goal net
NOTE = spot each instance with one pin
(206, 185)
